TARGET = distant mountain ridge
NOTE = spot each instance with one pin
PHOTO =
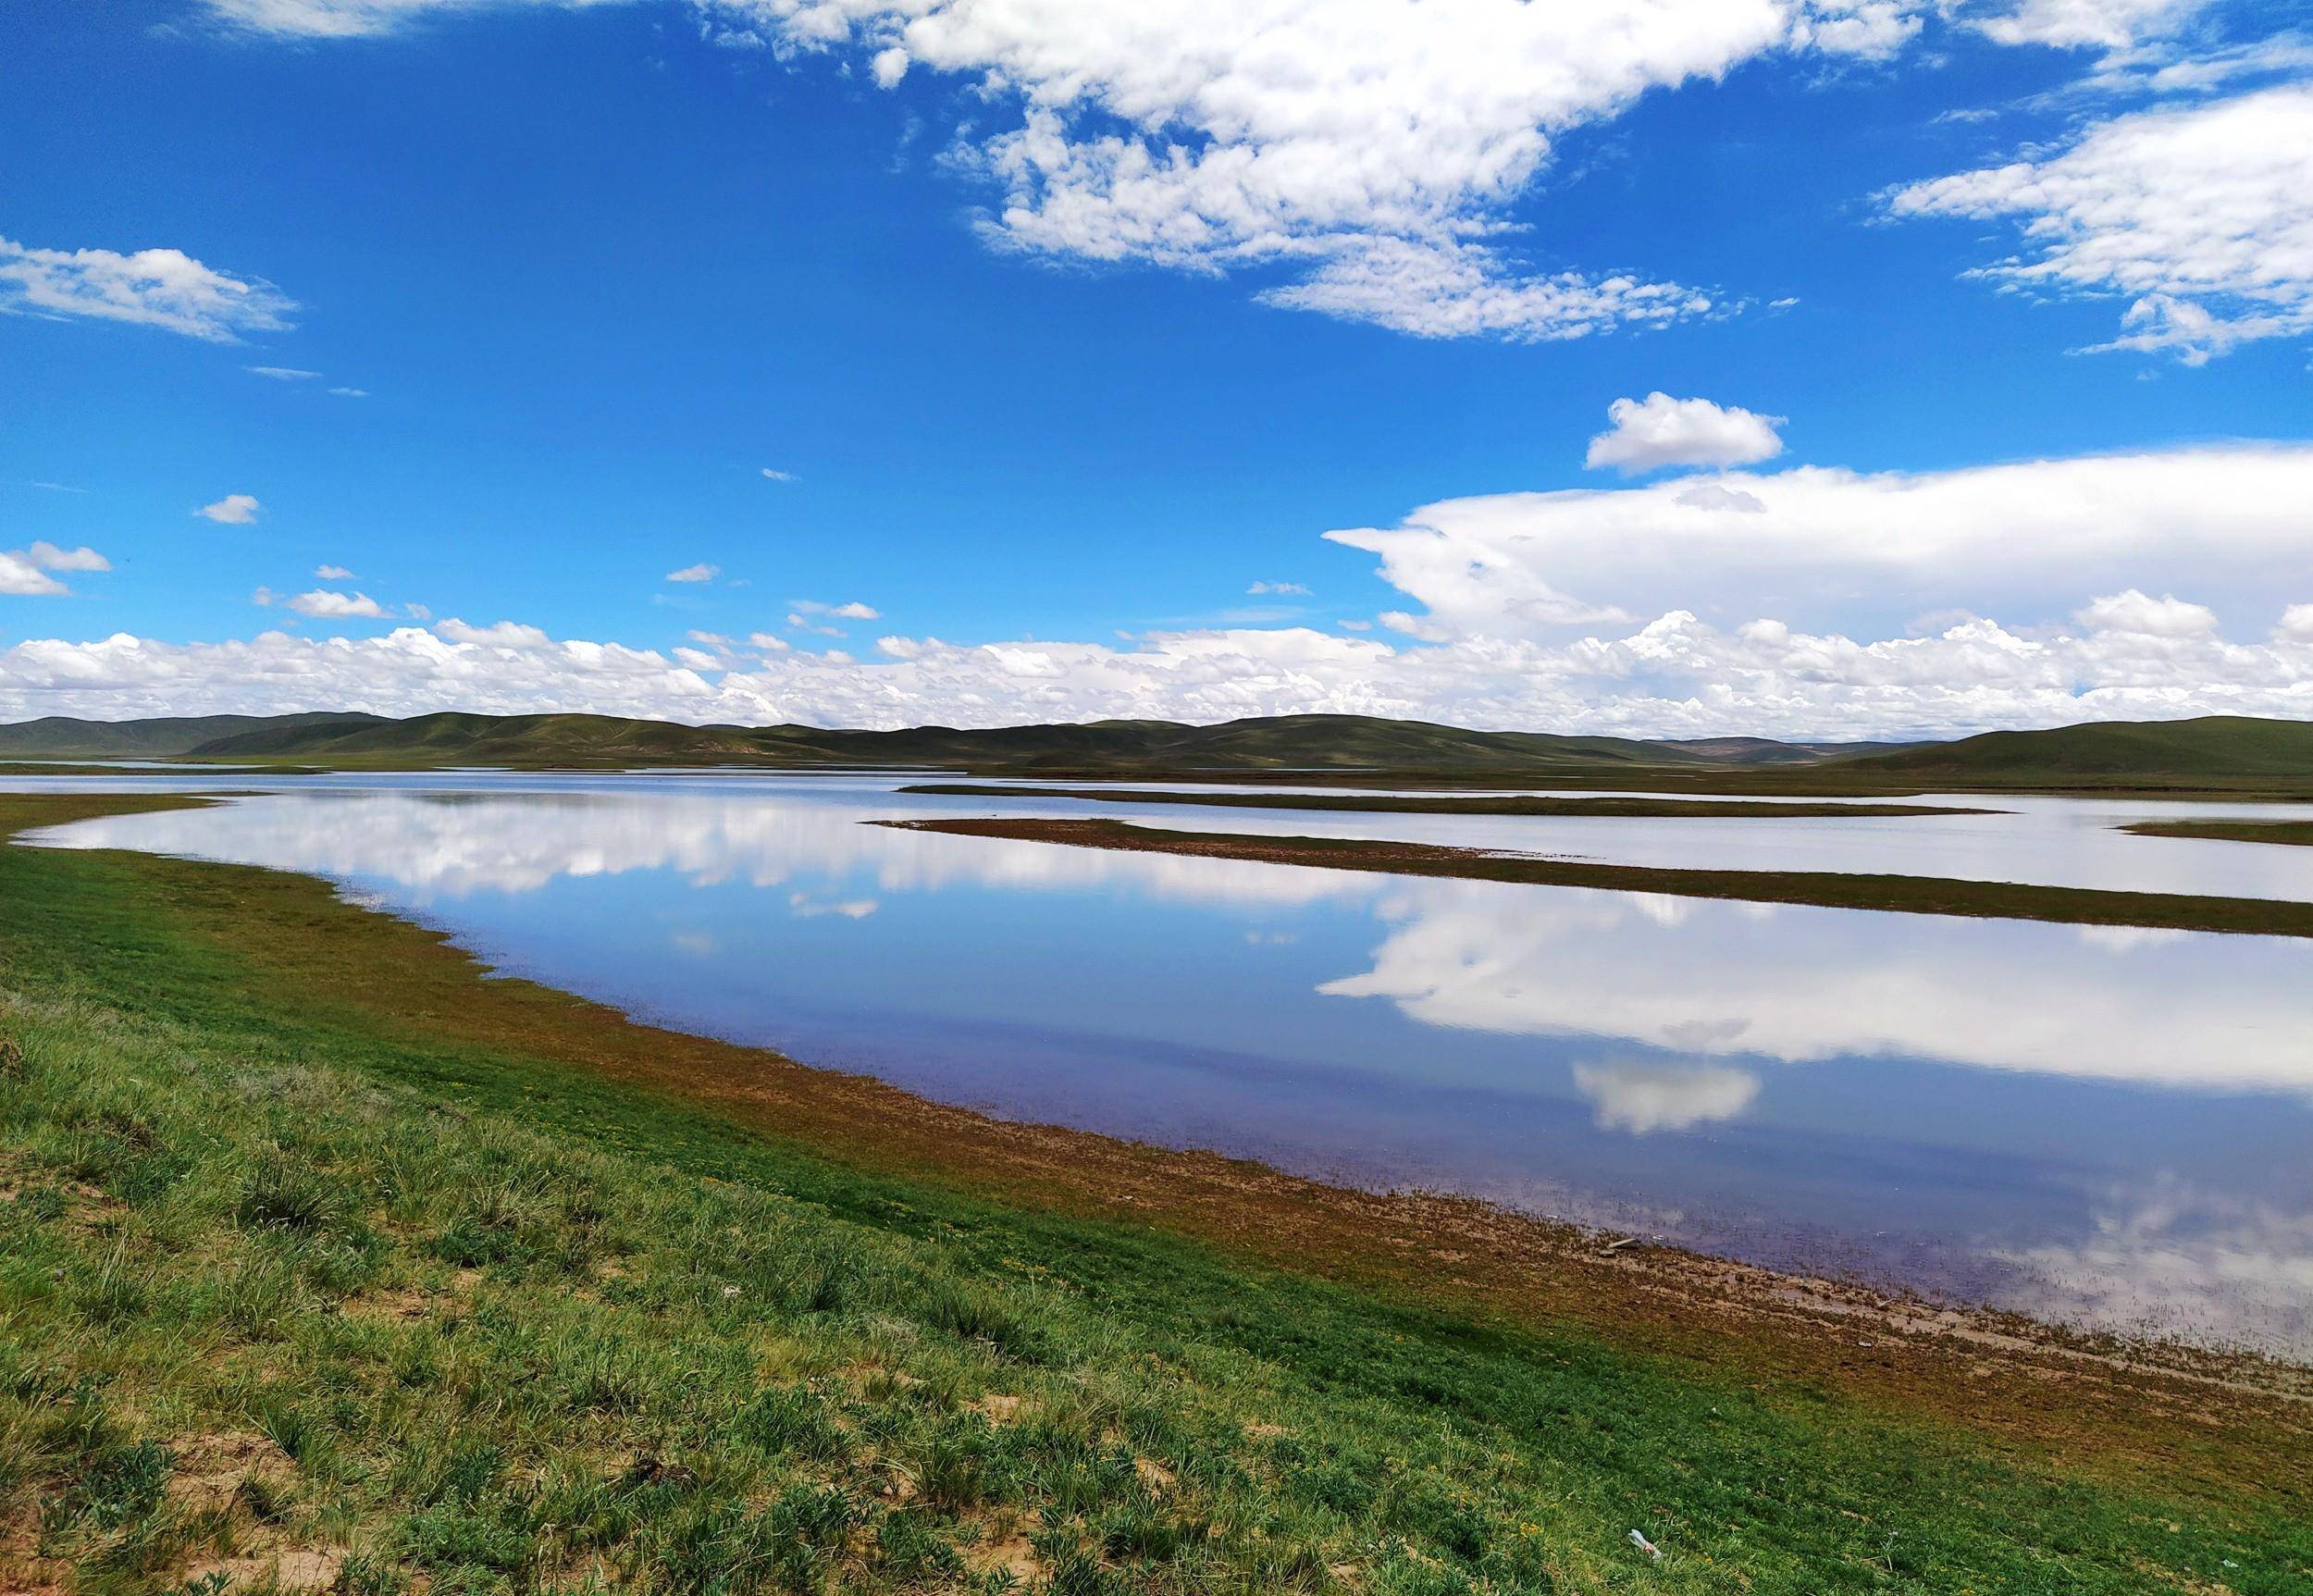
(61, 737)
(1272, 743)
(2248, 754)
(2206, 746)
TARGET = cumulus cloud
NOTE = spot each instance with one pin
(329, 605)
(48, 557)
(1644, 1098)
(333, 573)
(1827, 549)
(1367, 147)
(702, 571)
(1657, 431)
(1675, 675)
(2136, 612)
(24, 573)
(233, 510)
(2202, 217)
(162, 288)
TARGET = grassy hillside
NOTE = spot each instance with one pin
(2211, 747)
(1289, 742)
(60, 736)
(398, 1287)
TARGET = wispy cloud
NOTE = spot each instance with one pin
(702, 571)
(159, 288)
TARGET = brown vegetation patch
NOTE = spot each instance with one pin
(210, 1471)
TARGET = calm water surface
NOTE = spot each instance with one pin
(2112, 1127)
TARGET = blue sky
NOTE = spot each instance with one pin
(594, 269)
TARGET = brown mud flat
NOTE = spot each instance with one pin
(1461, 803)
(1815, 889)
(2229, 1420)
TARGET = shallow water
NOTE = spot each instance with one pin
(2111, 1127)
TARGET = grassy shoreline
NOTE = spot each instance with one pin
(2288, 833)
(1468, 803)
(324, 1252)
(1820, 889)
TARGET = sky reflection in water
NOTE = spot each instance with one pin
(2111, 1126)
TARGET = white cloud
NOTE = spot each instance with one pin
(48, 557)
(1651, 433)
(2144, 617)
(233, 510)
(1369, 147)
(161, 287)
(280, 373)
(2104, 24)
(778, 476)
(329, 605)
(702, 571)
(2203, 216)
(2296, 625)
(509, 634)
(1830, 549)
(352, 18)
(333, 573)
(350, 393)
(20, 577)
(1286, 588)
(1673, 677)
(1645, 1098)
(853, 611)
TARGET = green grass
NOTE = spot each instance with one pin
(2298, 832)
(2215, 748)
(463, 1317)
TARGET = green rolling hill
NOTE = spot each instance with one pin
(2213, 753)
(60, 736)
(1338, 743)
(2211, 748)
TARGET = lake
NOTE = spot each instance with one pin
(2108, 1127)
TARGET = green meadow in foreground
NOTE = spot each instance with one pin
(297, 1289)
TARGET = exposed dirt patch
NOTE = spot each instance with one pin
(286, 1568)
(212, 1470)
(996, 1407)
(1003, 1548)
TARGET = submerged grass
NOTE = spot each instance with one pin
(295, 1293)
(1818, 889)
(1459, 803)
(2296, 832)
